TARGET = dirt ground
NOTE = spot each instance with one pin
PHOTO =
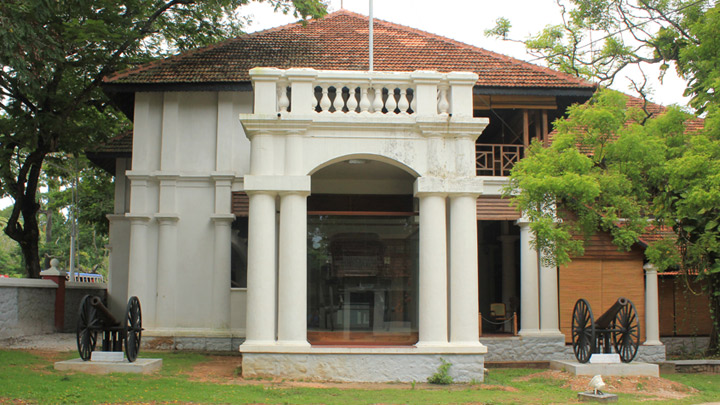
(226, 370)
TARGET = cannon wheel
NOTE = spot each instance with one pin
(133, 328)
(626, 332)
(583, 331)
(87, 327)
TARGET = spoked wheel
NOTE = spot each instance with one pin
(626, 334)
(87, 327)
(133, 328)
(583, 331)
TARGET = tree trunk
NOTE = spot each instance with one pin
(32, 258)
(27, 232)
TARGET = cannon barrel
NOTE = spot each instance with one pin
(604, 321)
(97, 303)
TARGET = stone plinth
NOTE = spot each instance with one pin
(139, 366)
(599, 397)
(616, 370)
(384, 364)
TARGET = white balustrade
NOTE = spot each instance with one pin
(365, 93)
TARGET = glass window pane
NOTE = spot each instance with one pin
(362, 279)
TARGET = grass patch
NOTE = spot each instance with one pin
(28, 377)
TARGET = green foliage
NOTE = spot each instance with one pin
(612, 170)
(442, 375)
(501, 29)
(55, 56)
(600, 38)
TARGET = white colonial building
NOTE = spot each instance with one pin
(335, 223)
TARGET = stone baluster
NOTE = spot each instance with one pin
(443, 104)
(325, 99)
(351, 101)
(391, 104)
(338, 102)
(377, 104)
(283, 100)
(413, 103)
(364, 100)
(403, 103)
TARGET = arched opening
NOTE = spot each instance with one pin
(362, 255)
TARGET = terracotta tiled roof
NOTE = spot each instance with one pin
(104, 155)
(339, 42)
(656, 233)
(691, 125)
(118, 145)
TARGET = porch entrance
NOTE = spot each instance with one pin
(499, 277)
(362, 256)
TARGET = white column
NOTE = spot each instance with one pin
(463, 270)
(549, 318)
(652, 313)
(529, 302)
(509, 276)
(432, 308)
(261, 277)
(292, 270)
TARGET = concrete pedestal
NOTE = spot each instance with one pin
(622, 369)
(592, 397)
(139, 366)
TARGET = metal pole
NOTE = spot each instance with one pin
(371, 36)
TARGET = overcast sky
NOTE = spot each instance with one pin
(466, 21)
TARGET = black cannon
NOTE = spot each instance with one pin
(94, 317)
(618, 328)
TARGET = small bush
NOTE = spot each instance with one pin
(441, 376)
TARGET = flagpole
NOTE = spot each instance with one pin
(371, 36)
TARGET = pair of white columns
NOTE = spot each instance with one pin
(277, 269)
(460, 301)
(538, 290)
(539, 294)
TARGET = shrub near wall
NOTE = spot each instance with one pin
(27, 307)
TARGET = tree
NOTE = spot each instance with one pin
(54, 57)
(623, 171)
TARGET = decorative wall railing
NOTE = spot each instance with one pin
(343, 93)
(497, 159)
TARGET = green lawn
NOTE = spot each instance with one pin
(28, 377)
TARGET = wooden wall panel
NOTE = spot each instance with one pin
(666, 294)
(579, 279)
(692, 312)
(601, 282)
(493, 208)
(240, 204)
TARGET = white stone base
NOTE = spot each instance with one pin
(623, 369)
(372, 365)
(139, 366)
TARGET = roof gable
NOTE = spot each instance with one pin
(339, 42)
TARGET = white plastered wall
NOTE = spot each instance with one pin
(188, 150)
